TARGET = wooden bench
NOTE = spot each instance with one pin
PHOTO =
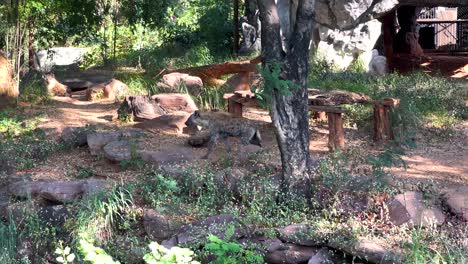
(335, 125)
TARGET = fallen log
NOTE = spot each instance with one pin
(210, 74)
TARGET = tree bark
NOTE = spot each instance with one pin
(235, 26)
(290, 113)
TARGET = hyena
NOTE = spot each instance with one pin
(221, 126)
(54, 87)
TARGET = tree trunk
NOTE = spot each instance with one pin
(290, 113)
(31, 52)
(235, 26)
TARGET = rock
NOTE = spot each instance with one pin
(56, 191)
(457, 201)
(96, 141)
(158, 227)
(300, 234)
(174, 81)
(95, 92)
(342, 48)
(198, 231)
(75, 136)
(120, 150)
(114, 89)
(378, 64)
(54, 216)
(59, 56)
(369, 250)
(170, 122)
(293, 254)
(172, 154)
(174, 102)
(251, 41)
(344, 14)
(139, 108)
(410, 208)
(323, 256)
(93, 186)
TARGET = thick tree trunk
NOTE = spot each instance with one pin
(290, 113)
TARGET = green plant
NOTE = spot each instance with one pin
(64, 254)
(9, 237)
(93, 254)
(84, 173)
(271, 83)
(230, 252)
(34, 92)
(162, 255)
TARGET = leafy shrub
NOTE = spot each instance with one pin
(230, 252)
(34, 92)
(162, 255)
(9, 237)
(93, 254)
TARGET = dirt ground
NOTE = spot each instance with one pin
(441, 162)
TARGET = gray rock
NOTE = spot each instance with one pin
(59, 56)
(96, 141)
(121, 150)
(197, 232)
(54, 216)
(171, 155)
(410, 208)
(323, 256)
(371, 251)
(378, 64)
(292, 254)
(158, 226)
(140, 107)
(56, 191)
(94, 186)
(75, 136)
(300, 234)
(457, 201)
(174, 81)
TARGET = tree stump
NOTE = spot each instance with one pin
(335, 128)
(335, 125)
(382, 128)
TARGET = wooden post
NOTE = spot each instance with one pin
(382, 128)
(234, 107)
(335, 128)
(319, 116)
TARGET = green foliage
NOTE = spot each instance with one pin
(9, 237)
(100, 214)
(272, 83)
(162, 255)
(64, 254)
(34, 92)
(432, 246)
(93, 254)
(22, 145)
(227, 252)
(211, 98)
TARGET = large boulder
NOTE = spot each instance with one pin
(174, 102)
(457, 201)
(97, 141)
(56, 191)
(139, 108)
(174, 81)
(158, 226)
(114, 89)
(410, 208)
(300, 234)
(342, 47)
(75, 136)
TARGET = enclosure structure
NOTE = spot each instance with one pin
(443, 29)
